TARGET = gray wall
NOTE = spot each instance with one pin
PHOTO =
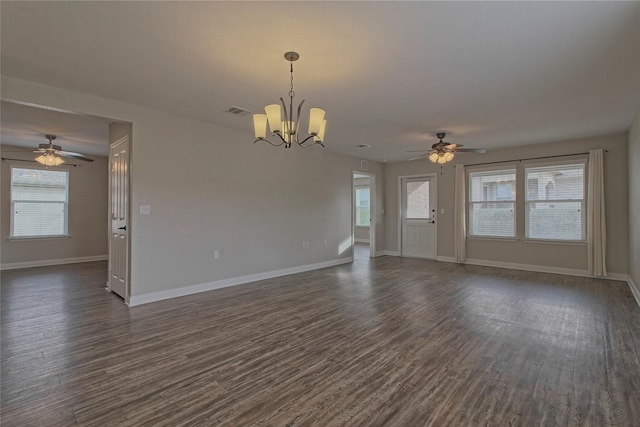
(634, 205)
(549, 255)
(210, 188)
(87, 214)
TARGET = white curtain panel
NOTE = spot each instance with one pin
(596, 229)
(460, 232)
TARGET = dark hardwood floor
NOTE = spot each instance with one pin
(384, 342)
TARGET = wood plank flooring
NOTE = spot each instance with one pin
(382, 342)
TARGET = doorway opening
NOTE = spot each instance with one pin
(364, 221)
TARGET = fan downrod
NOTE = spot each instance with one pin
(50, 138)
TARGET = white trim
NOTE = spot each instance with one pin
(361, 240)
(373, 206)
(380, 253)
(392, 253)
(635, 290)
(447, 259)
(543, 269)
(32, 238)
(233, 281)
(48, 262)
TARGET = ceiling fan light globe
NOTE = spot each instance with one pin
(42, 160)
(433, 157)
(57, 161)
(448, 156)
(49, 160)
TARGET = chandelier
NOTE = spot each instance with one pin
(287, 129)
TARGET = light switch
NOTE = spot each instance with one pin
(441, 211)
(145, 210)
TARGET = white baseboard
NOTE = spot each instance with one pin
(361, 240)
(48, 262)
(380, 253)
(635, 290)
(446, 259)
(233, 281)
(392, 253)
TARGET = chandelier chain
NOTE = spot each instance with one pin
(291, 92)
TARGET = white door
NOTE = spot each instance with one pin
(119, 191)
(418, 218)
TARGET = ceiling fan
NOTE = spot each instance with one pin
(50, 154)
(442, 152)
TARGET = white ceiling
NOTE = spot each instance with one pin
(389, 74)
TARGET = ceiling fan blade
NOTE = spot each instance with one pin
(40, 150)
(416, 151)
(419, 157)
(452, 146)
(73, 155)
(471, 150)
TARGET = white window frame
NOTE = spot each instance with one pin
(491, 169)
(583, 201)
(65, 233)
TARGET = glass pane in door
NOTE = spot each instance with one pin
(418, 199)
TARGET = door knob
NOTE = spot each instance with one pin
(123, 228)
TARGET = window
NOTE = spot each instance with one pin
(554, 206)
(418, 200)
(492, 196)
(39, 203)
(363, 213)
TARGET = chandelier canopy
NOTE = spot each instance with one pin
(287, 129)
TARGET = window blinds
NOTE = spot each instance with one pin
(39, 201)
(555, 202)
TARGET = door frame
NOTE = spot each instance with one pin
(372, 208)
(434, 180)
(127, 296)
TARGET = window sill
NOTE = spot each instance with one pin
(525, 240)
(495, 239)
(60, 237)
(556, 242)
(363, 226)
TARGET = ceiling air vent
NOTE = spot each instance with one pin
(363, 146)
(238, 111)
